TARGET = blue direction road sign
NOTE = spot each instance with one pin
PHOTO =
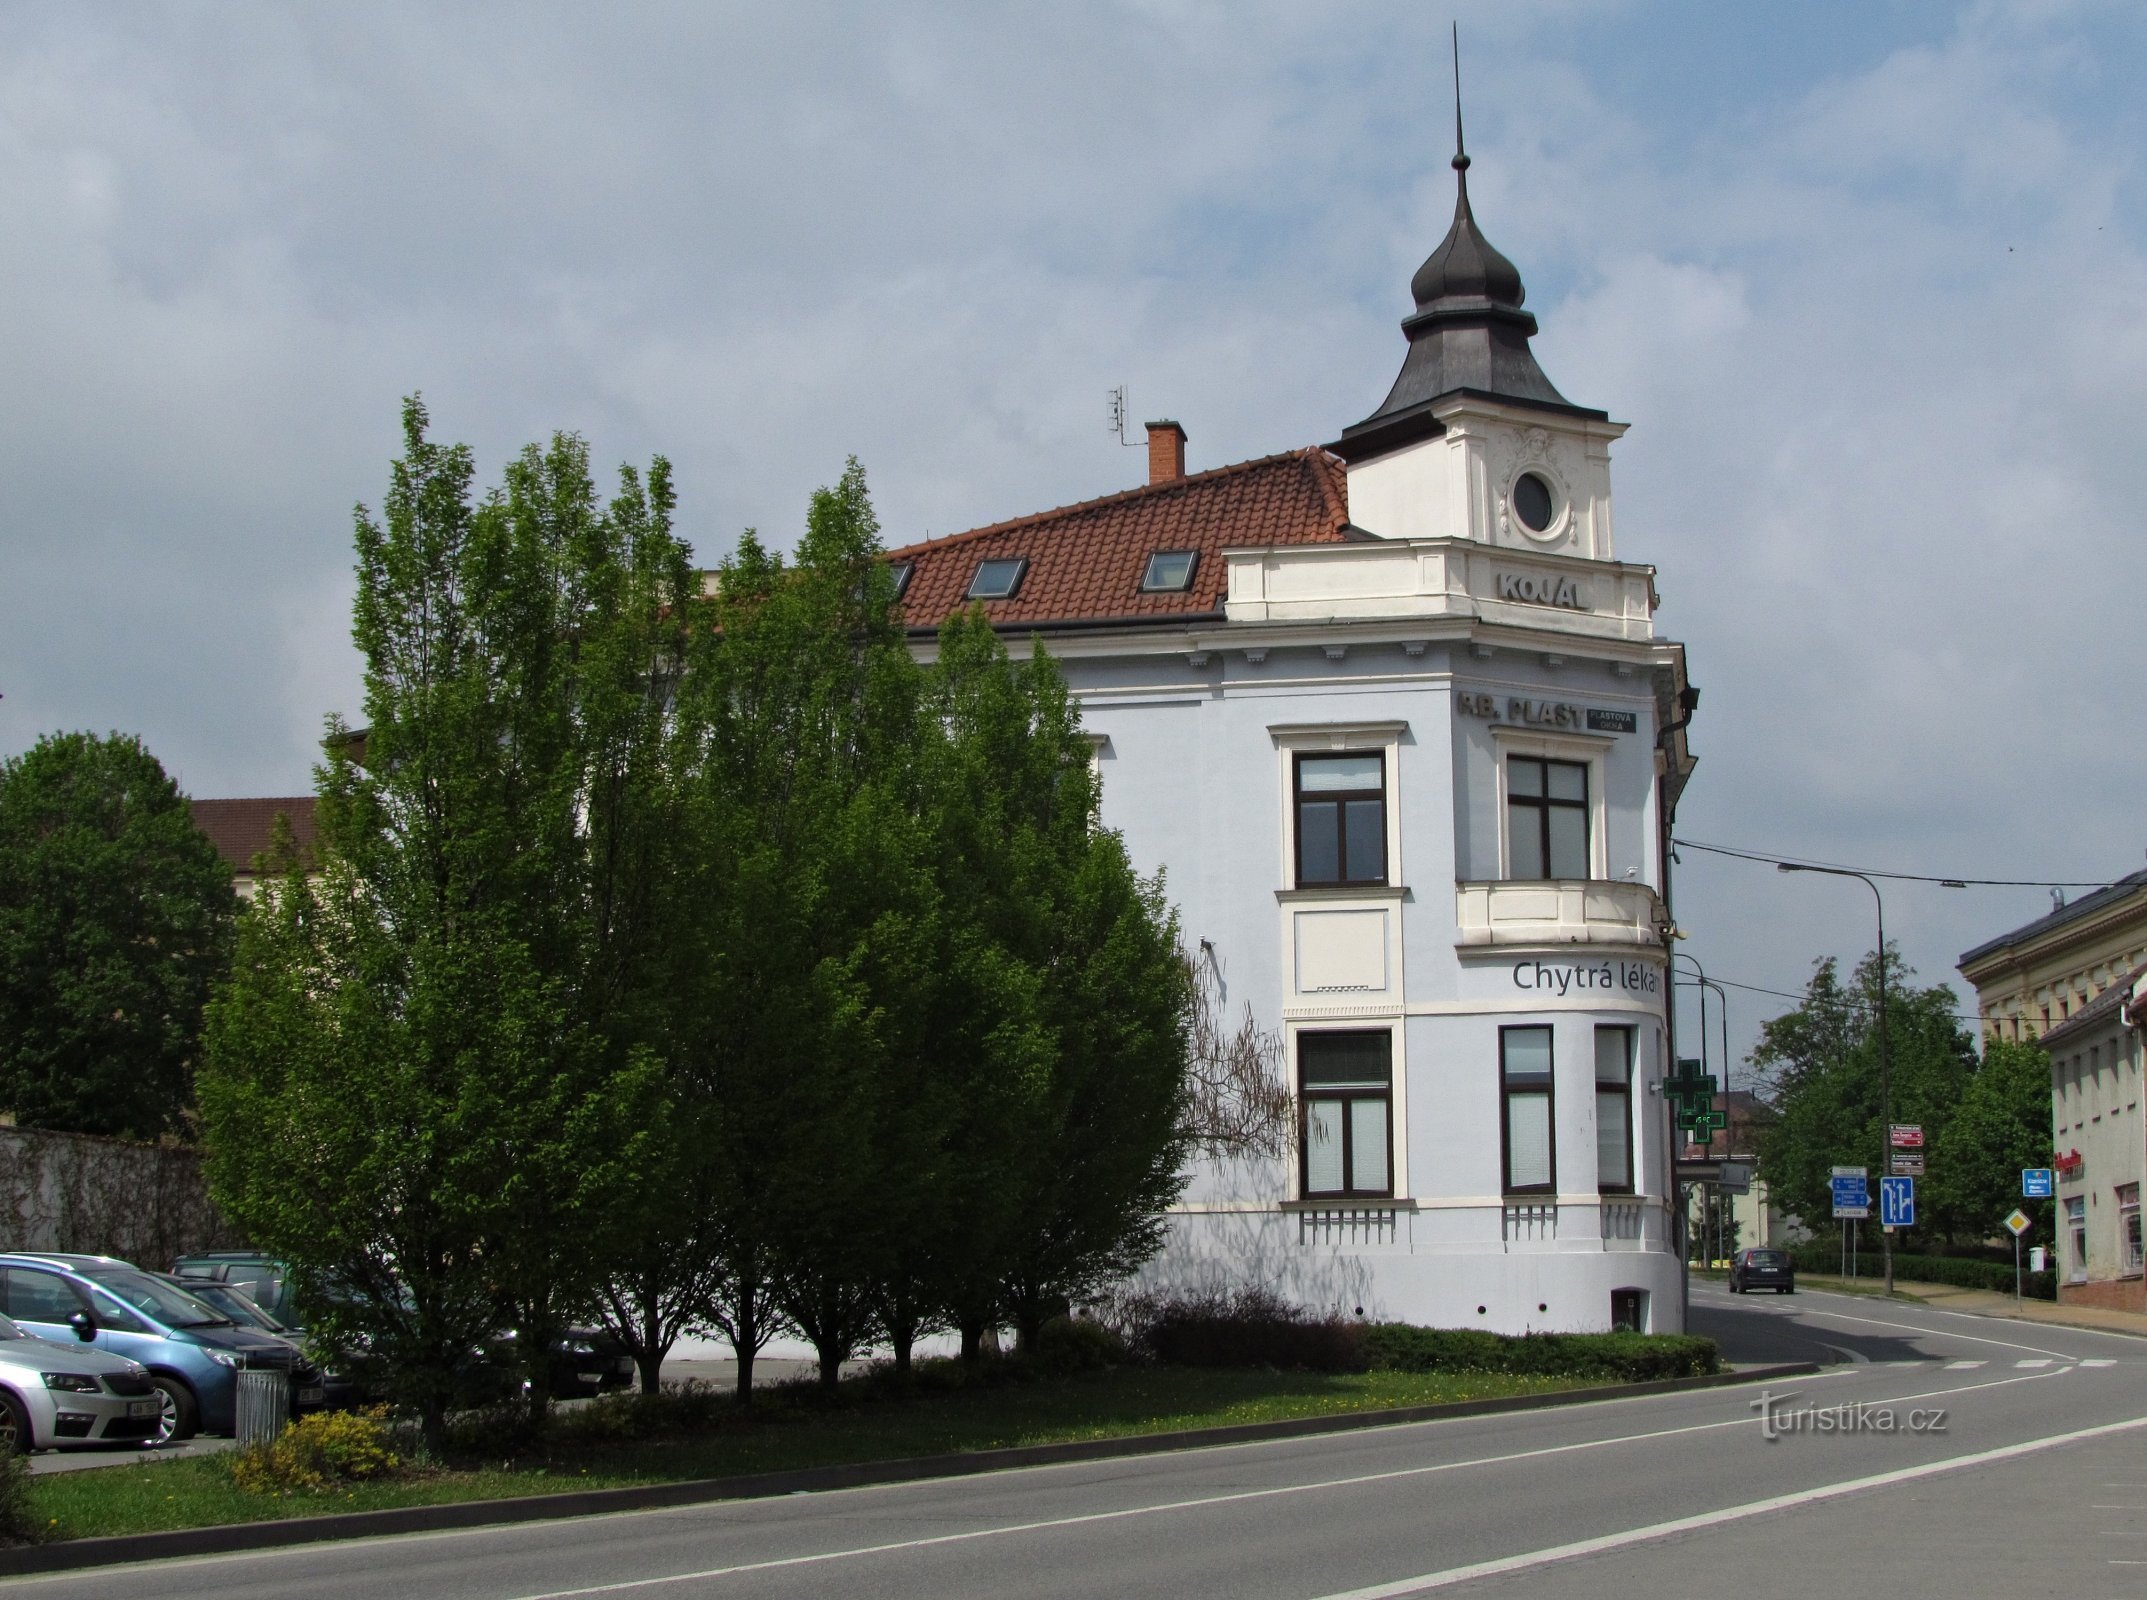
(2035, 1183)
(1852, 1198)
(1897, 1202)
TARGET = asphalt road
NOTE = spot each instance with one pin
(2031, 1479)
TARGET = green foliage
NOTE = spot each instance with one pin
(319, 1455)
(704, 959)
(427, 1084)
(1965, 1272)
(115, 921)
(1077, 1344)
(2000, 1127)
(1821, 1064)
(18, 1517)
(1610, 1357)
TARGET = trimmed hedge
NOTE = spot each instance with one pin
(1963, 1272)
(1255, 1328)
(1628, 1357)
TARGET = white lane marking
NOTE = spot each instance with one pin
(2098, 1362)
(1985, 1316)
(2038, 1361)
(1965, 1366)
(1129, 1512)
(1910, 1327)
(1710, 1519)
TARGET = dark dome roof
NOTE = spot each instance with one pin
(1468, 334)
(1465, 266)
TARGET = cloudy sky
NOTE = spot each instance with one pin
(1869, 281)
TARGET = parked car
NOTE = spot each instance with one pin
(1762, 1269)
(329, 1391)
(193, 1352)
(586, 1361)
(53, 1396)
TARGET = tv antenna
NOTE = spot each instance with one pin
(1117, 424)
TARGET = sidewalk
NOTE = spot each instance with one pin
(1989, 1303)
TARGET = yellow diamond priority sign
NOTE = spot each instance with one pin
(2018, 1222)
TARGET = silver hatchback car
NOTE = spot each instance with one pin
(56, 1395)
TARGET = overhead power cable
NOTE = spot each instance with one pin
(1776, 859)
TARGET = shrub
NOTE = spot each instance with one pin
(1963, 1272)
(1252, 1327)
(1625, 1357)
(319, 1454)
(676, 1408)
(1077, 1344)
(18, 1524)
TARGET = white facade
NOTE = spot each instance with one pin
(1409, 775)
(1420, 651)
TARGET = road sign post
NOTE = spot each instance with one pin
(1897, 1202)
(2017, 1223)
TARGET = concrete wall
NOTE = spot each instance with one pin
(73, 1192)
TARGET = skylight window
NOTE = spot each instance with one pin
(998, 579)
(1169, 571)
(901, 571)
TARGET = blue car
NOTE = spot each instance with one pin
(194, 1353)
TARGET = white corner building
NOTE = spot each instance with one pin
(1394, 719)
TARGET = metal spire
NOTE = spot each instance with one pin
(1461, 149)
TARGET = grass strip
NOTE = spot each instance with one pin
(787, 1429)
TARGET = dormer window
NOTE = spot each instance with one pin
(901, 571)
(1169, 572)
(997, 579)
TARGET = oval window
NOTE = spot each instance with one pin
(1532, 502)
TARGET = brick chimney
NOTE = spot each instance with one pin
(1166, 452)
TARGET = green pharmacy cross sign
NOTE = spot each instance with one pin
(1692, 1093)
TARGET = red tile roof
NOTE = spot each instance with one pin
(240, 829)
(1086, 560)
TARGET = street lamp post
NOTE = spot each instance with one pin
(1886, 1102)
(1704, 983)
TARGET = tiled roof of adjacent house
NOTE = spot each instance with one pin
(1086, 561)
(241, 829)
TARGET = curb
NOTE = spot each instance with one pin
(76, 1554)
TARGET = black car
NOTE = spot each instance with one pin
(1762, 1269)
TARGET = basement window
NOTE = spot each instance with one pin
(998, 579)
(1169, 571)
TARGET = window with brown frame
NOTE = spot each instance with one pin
(1529, 1147)
(1342, 819)
(1546, 818)
(1614, 1110)
(1346, 1090)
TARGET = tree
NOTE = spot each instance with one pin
(429, 1082)
(1097, 1142)
(807, 903)
(116, 918)
(2001, 1126)
(1238, 1101)
(1820, 1065)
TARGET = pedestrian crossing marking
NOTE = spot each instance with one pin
(2035, 1361)
(1965, 1366)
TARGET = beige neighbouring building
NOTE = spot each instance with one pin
(2043, 974)
(2075, 981)
(2101, 1146)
